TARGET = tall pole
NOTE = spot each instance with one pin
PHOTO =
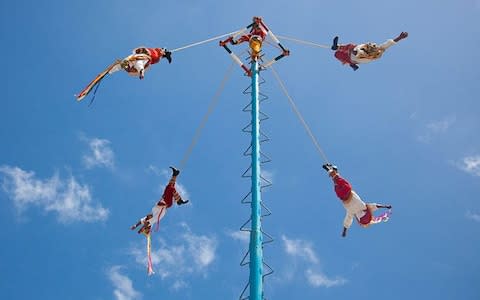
(256, 237)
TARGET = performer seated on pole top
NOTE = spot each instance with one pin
(255, 38)
(257, 31)
(140, 60)
(353, 54)
(158, 211)
(353, 204)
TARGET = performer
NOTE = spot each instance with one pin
(353, 204)
(353, 54)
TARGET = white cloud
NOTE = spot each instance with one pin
(69, 199)
(242, 236)
(318, 279)
(304, 250)
(436, 128)
(473, 216)
(203, 249)
(123, 287)
(155, 170)
(175, 261)
(470, 164)
(441, 126)
(179, 284)
(300, 248)
(100, 154)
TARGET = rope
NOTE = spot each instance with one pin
(297, 112)
(205, 41)
(303, 42)
(273, 45)
(211, 107)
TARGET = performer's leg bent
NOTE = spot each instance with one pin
(243, 38)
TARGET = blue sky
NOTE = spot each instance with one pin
(403, 130)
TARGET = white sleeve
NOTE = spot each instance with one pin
(347, 222)
(140, 64)
(387, 44)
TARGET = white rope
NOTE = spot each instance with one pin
(211, 108)
(273, 45)
(303, 42)
(205, 41)
(299, 115)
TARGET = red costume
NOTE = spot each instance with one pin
(155, 54)
(344, 52)
(343, 189)
(170, 193)
(257, 30)
(367, 217)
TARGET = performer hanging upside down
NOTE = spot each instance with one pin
(353, 54)
(140, 60)
(135, 64)
(170, 194)
(353, 204)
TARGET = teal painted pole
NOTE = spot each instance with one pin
(256, 237)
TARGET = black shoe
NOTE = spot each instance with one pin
(181, 202)
(168, 56)
(175, 172)
(354, 67)
(335, 43)
(388, 206)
